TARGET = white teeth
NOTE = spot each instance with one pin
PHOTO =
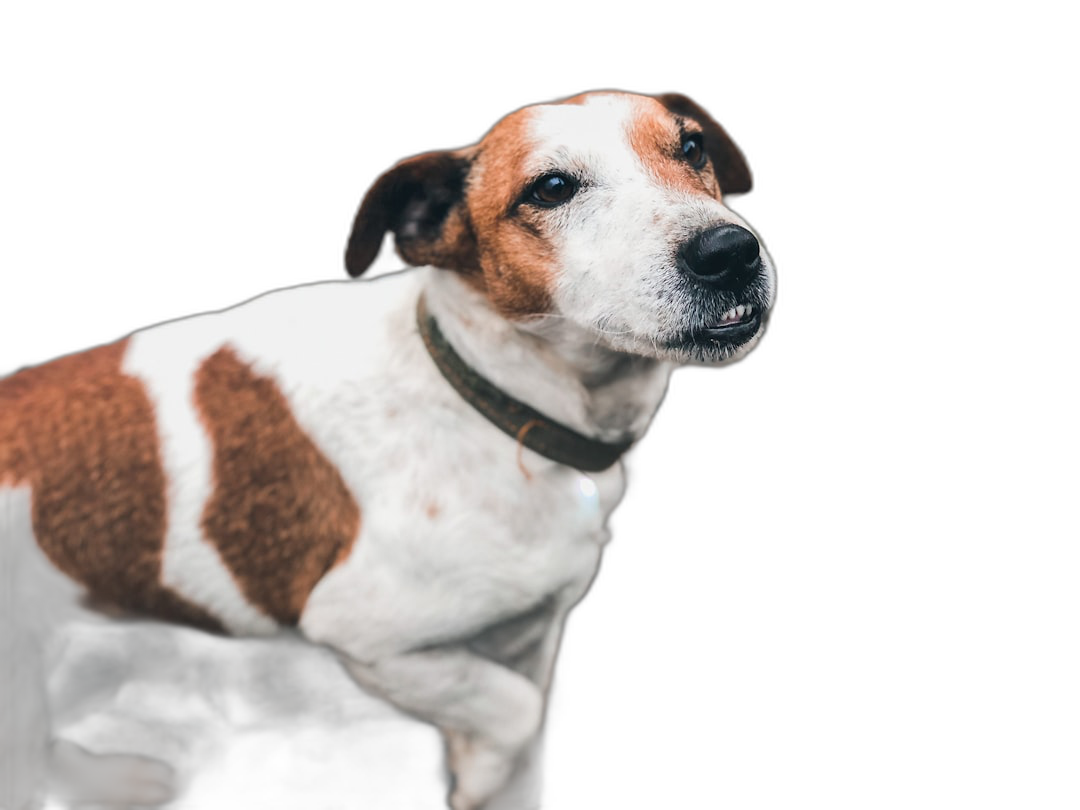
(737, 313)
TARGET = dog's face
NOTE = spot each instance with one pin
(605, 210)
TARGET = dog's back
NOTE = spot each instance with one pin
(170, 475)
(189, 472)
(80, 434)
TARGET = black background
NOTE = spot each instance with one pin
(713, 656)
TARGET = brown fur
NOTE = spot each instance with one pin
(657, 139)
(82, 434)
(728, 163)
(280, 514)
(515, 257)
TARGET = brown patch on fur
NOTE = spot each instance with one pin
(728, 163)
(280, 513)
(656, 138)
(82, 434)
(515, 257)
(432, 510)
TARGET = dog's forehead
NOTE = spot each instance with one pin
(589, 128)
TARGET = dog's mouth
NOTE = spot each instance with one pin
(735, 326)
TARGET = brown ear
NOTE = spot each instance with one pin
(422, 200)
(728, 162)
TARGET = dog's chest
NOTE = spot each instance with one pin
(481, 533)
(484, 550)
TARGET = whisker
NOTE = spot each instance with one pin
(598, 326)
(604, 320)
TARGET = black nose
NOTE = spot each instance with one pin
(726, 257)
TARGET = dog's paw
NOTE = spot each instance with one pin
(110, 780)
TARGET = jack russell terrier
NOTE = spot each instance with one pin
(415, 471)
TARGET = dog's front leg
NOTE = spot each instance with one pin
(489, 713)
(526, 645)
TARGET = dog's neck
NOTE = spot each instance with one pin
(554, 366)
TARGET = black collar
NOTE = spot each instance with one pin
(513, 417)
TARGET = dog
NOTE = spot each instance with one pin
(417, 470)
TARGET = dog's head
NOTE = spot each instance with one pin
(605, 210)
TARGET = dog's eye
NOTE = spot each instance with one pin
(552, 189)
(693, 149)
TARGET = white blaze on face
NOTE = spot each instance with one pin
(616, 240)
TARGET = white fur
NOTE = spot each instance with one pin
(84, 780)
(24, 624)
(165, 360)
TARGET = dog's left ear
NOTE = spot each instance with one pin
(422, 200)
(727, 159)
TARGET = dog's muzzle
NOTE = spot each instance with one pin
(725, 258)
(724, 269)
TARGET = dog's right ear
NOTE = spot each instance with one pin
(729, 165)
(422, 200)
